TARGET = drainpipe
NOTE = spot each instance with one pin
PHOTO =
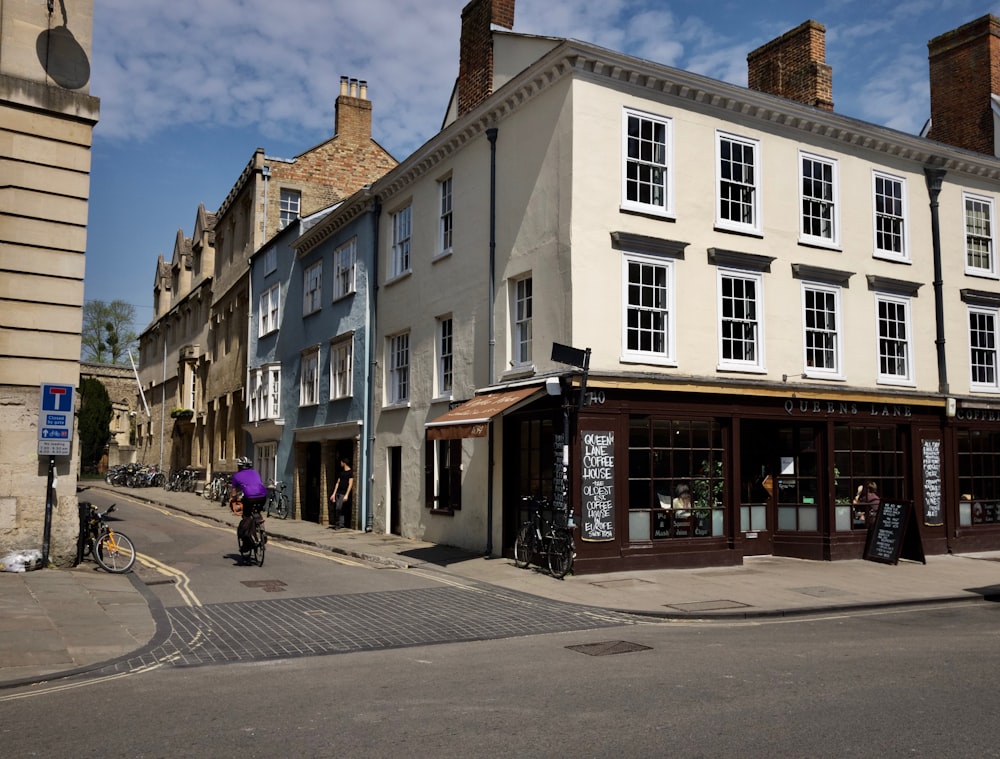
(368, 470)
(491, 135)
(934, 179)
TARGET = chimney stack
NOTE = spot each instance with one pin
(353, 111)
(793, 66)
(965, 82)
(475, 65)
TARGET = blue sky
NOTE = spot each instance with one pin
(190, 89)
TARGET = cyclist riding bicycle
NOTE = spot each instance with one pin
(254, 497)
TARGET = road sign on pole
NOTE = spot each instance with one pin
(55, 420)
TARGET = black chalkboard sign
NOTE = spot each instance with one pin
(597, 482)
(894, 535)
(932, 482)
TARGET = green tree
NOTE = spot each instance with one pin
(94, 422)
(107, 331)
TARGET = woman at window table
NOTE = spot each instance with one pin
(682, 499)
(866, 502)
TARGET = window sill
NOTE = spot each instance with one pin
(741, 369)
(650, 213)
(401, 405)
(442, 398)
(517, 372)
(893, 258)
(664, 361)
(441, 256)
(442, 512)
(398, 277)
(742, 231)
(820, 243)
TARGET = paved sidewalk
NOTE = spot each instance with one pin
(53, 622)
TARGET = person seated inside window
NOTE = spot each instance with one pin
(682, 499)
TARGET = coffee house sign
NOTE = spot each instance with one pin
(805, 407)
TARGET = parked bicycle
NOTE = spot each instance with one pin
(183, 481)
(252, 536)
(111, 549)
(549, 537)
(277, 501)
(217, 487)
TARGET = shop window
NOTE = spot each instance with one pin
(978, 477)
(861, 455)
(443, 474)
(675, 479)
(798, 480)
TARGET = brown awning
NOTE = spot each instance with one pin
(472, 418)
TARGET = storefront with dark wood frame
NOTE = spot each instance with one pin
(690, 479)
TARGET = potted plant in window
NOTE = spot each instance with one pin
(182, 413)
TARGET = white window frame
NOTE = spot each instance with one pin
(806, 235)
(446, 221)
(640, 299)
(751, 186)
(884, 338)
(345, 269)
(270, 310)
(271, 404)
(835, 333)
(289, 206)
(265, 457)
(521, 311)
(342, 368)
(445, 349)
(312, 289)
(990, 351)
(638, 170)
(402, 231)
(309, 377)
(987, 237)
(397, 365)
(892, 216)
(254, 395)
(756, 364)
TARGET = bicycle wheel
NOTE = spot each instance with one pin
(560, 554)
(260, 544)
(523, 546)
(114, 552)
(281, 506)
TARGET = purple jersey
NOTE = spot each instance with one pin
(250, 483)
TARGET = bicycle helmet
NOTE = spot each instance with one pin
(243, 463)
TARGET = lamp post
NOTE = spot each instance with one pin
(565, 354)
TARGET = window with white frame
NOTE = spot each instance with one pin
(738, 183)
(445, 346)
(443, 475)
(983, 348)
(290, 207)
(648, 297)
(265, 456)
(344, 264)
(401, 231)
(819, 222)
(821, 328)
(271, 404)
(445, 223)
(341, 368)
(741, 343)
(647, 171)
(309, 377)
(980, 242)
(521, 308)
(398, 369)
(264, 397)
(890, 216)
(894, 342)
(270, 308)
(312, 288)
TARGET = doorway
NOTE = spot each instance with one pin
(395, 465)
(312, 495)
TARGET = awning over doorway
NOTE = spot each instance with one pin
(472, 418)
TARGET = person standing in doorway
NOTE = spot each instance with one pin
(340, 498)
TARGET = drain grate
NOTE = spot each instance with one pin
(268, 586)
(707, 606)
(608, 647)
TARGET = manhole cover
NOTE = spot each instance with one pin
(625, 582)
(820, 591)
(268, 586)
(608, 647)
(707, 606)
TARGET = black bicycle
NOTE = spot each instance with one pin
(253, 541)
(551, 538)
(277, 501)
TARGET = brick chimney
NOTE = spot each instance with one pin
(794, 66)
(475, 64)
(353, 112)
(965, 75)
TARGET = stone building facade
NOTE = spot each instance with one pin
(47, 117)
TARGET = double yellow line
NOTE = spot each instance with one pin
(182, 581)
